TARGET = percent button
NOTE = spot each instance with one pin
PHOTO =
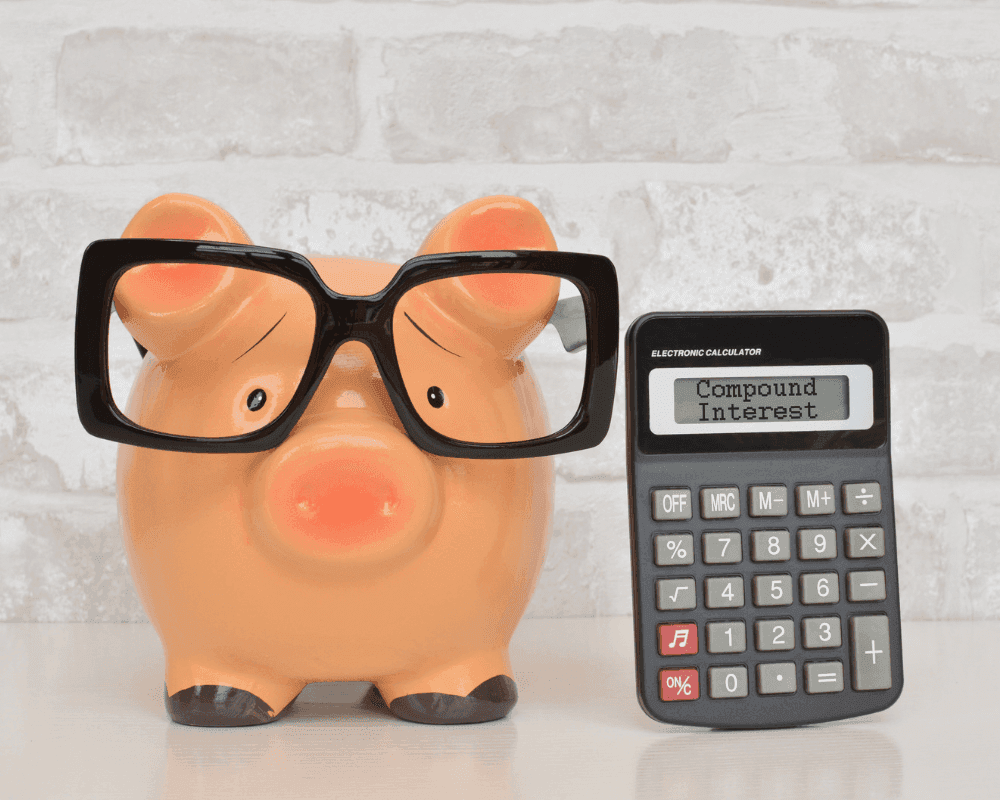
(674, 549)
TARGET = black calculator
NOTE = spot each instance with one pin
(765, 587)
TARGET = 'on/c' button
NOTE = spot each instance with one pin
(671, 504)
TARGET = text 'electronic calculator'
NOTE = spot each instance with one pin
(763, 535)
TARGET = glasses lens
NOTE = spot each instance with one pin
(227, 347)
(493, 358)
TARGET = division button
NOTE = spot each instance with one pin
(673, 549)
(675, 594)
(678, 684)
(816, 498)
(776, 679)
(768, 501)
(727, 682)
(870, 653)
(720, 503)
(866, 587)
(864, 542)
(824, 676)
(862, 498)
(671, 504)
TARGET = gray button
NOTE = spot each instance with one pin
(725, 682)
(818, 588)
(862, 498)
(824, 676)
(671, 504)
(776, 679)
(725, 547)
(864, 587)
(775, 634)
(816, 498)
(817, 543)
(720, 503)
(864, 542)
(675, 594)
(870, 653)
(724, 592)
(726, 637)
(672, 549)
(821, 632)
(768, 501)
(770, 545)
(772, 590)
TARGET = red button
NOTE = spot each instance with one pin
(678, 640)
(678, 684)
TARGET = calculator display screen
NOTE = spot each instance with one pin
(716, 400)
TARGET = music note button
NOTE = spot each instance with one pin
(678, 640)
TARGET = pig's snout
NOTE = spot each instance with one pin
(361, 493)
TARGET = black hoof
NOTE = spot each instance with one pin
(492, 699)
(219, 707)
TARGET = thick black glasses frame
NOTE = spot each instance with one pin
(342, 318)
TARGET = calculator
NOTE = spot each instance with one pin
(765, 588)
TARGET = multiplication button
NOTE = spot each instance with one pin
(864, 542)
(671, 504)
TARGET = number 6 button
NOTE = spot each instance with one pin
(819, 588)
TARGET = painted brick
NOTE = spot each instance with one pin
(43, 446)
(586, 571)
(774, 247)
(899, 104)
(6, 117)
(42, 238)
(944, 411)
(982, 577)
(63, 561)
(127, 96)
(922, 536)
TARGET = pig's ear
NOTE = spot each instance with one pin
(509, 310)
(168, 308)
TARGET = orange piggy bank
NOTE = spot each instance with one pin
(346, 552)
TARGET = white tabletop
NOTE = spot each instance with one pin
(82, 715)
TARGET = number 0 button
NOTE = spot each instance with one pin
(726, 682)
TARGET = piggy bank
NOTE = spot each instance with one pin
(346, 552)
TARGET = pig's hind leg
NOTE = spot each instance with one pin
(443, 697)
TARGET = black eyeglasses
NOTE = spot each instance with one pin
(501, 354)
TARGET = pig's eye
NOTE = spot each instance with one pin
(435, 397)
(256, 399)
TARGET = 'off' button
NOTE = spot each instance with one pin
(670, 504)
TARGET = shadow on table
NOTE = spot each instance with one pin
(841, 761)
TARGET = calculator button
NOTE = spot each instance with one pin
(675, 595)
(726, 682)
(817, 544)
(725, 547)
(820, 632)
(775, 634)
(870, 653)
(720, 503)
(768, 501)
(669, 504)
(816, 498)
(818, 588)
(772, 590)
(724, 592)
(678, 684)
(862, 498)
(678, 640)
(770, 546)
(726, 637)
(673, 549)
(776, 679)
(824, 676)
(864, 542)
(865, 587)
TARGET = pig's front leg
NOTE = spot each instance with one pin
(205, 696)
(476, 689)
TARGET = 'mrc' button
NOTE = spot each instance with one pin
(720, 503)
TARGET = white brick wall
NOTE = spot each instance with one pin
(735, 155)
